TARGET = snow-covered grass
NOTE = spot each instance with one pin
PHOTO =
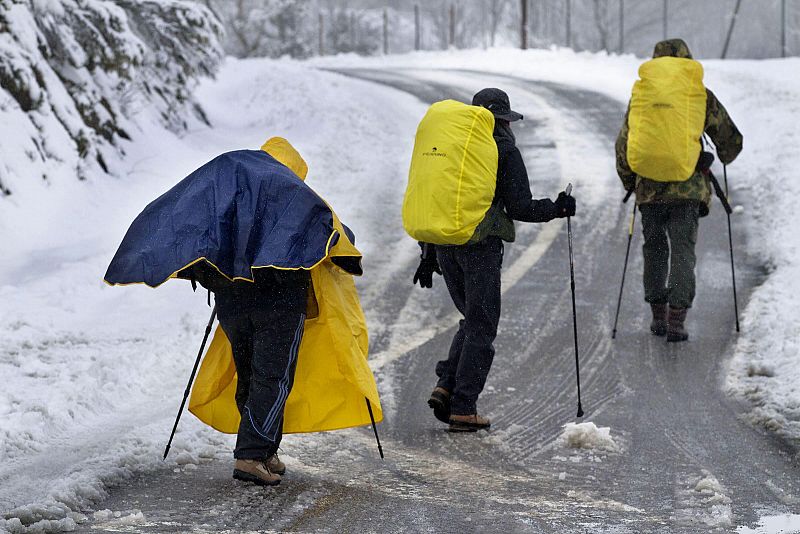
(92, 374)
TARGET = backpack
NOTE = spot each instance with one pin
(666, 119)
(453, 173)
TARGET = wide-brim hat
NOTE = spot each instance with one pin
(496, 101)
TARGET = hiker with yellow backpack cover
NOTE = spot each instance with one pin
(658, 152)
(467, 184)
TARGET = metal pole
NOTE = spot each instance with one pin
(191, 379)
(416, 27)
(664, 19)
(385, 31)
(730, 245)
(568, 191)
(374, 428)
(730, 29)
(621, 26)
(523, 31)
(624, 269)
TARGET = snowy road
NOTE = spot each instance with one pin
(685, 462)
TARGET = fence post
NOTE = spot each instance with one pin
(416, 27)
(352, 31)
(523, 31)
(569, 23)
(385, 31)
(321, 24)
(783, 28)
(621, 26)
(730, 29)
(452, 36)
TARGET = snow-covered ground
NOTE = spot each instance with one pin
(92, 374)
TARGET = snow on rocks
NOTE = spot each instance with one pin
(588, 436)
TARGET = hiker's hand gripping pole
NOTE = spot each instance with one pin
(568, 191)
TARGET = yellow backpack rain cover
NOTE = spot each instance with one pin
(453, 174)
(666, 120)
(333, 378)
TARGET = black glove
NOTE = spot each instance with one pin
(565, 205)
(427, 266)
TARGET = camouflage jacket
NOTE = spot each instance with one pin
(727, 139)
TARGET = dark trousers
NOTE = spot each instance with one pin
(265, 326)
(472, 275)
(670, 236)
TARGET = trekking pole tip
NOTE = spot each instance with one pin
(580, 411)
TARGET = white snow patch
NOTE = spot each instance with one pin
(774, 524)
(587, 436)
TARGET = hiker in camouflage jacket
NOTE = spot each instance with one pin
(670, 213)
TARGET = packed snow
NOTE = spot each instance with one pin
(93, 375)
(588, 436)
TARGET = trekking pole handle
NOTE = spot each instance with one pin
(625, 200)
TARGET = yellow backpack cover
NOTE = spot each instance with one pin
(666, 119)
(453, 174)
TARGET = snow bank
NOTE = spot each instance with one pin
(588, 436)
(78, 75)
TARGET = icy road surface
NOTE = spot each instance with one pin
(681, 459)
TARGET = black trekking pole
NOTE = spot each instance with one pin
(625, 266)
(374, 428)
(191, 379)
(730, 245)
(568, 191)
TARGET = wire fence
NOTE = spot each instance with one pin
(713, 28)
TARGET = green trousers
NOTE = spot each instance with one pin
(670, 235)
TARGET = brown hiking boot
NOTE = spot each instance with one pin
(468, 423)
(275, 465)
(675, 329)
(440, 403)
(255, 471)
(658, 325)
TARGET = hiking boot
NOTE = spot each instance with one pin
(440, 404)
(658, 325)
(675, 329)
(468, 423)
(275, 465)
(255, 471)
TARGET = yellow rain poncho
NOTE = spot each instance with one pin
(332, 379)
